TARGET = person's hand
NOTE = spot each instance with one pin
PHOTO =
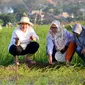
(32, 38)
(67, 63)
(83, 51)
(50, 59)
(17, 42)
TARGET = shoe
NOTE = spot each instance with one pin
(16, 61)
(29, 61)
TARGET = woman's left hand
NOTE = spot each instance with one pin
(32, 38)
(83, 51)
(63, 50)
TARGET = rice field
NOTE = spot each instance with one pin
(41, 74)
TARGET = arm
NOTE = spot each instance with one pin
(14, 38)
(49, 46)
(70, 51)
(69, 35)
(83, 51)
(33, 35)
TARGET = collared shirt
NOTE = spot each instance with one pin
(24, 38)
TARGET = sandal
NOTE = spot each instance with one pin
(30, 61)
(16, 61)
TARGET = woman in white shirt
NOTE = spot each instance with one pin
(23, 40)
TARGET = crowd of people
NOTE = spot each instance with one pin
(60, 43)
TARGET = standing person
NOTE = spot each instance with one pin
(23, 40)
(58, 39)
(77, 43)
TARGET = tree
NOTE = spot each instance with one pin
(7, 18)
(19, 10)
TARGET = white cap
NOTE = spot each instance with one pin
(77, 28)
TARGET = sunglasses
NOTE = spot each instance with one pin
(54, 27)
(23, 23)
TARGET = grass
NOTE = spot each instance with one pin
(47, 75)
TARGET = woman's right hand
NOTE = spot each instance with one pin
(17, 42)
(83, 51)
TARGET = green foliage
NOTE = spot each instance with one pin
(45, 76)
(68, 27)
(1, 21)
(19, 10)
(7, 18)
(5, 36)
(41, 30)
(58, 75)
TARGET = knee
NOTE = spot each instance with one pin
(15, 50)
(36, 45)
(19, 49)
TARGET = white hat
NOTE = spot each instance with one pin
(60, 57)
(25, 20)
(77, 28)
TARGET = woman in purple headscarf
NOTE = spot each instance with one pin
(58, 39)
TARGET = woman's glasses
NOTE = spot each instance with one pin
(53, 27)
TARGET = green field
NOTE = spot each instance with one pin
(41, 74)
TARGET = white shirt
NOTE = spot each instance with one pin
(24, 37)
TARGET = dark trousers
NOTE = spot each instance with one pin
(78, 50)
(31, 48)
(53, 54)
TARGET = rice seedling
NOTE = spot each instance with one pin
(37, 75)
